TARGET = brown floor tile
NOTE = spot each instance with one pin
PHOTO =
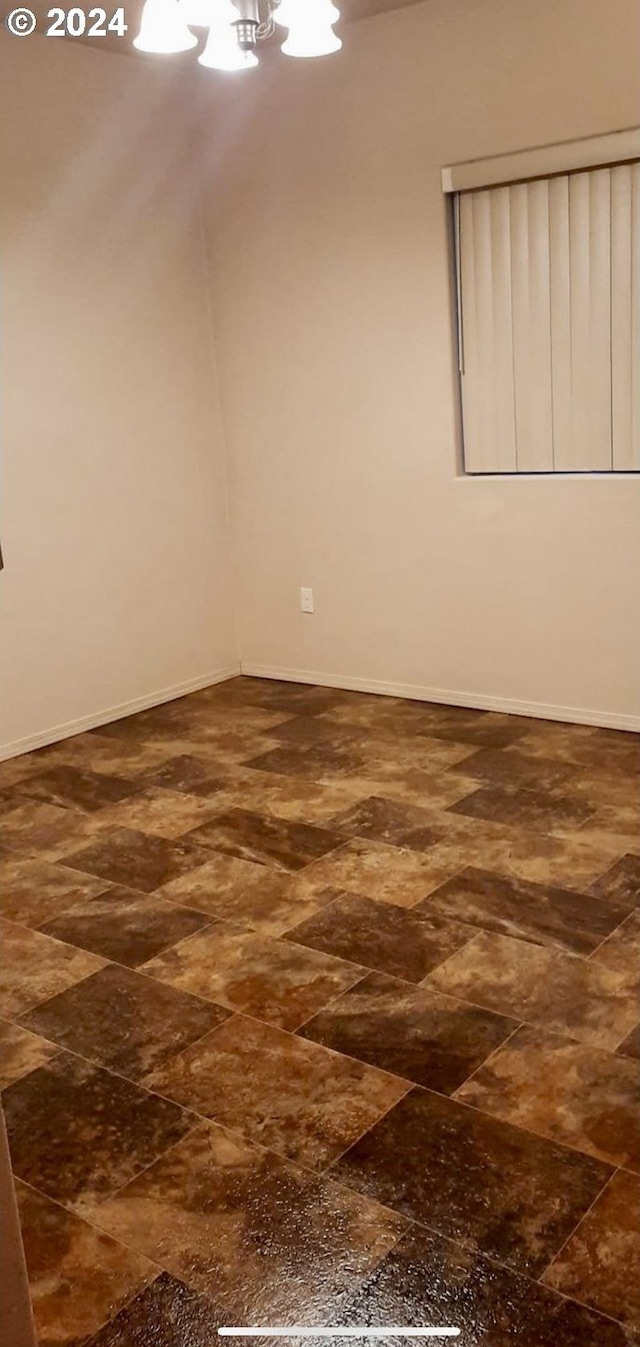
(542, 914)
(402, 825)
(384, 754)
(288, 797)
(252, 895)
(186, 772)
(137, 860)
(34, 967)
(124, 1021)
(600, 1264)
(125, 926)
(430, 1039)
(272, 980)
(162, 813)
(497, 768)
(630, 1047)
(165, 1314)
(470, 1177)
(43, 830)
(282, 1092)
(309, 760)
(526, 808)
(575, 996)
(379, 871)
(21, 1052)
(565, 862)
(31, 891)
(605, 750)
(620, 883)
(487, 729)
(266, 841)
(429, 1280)
(377, 935)
(260, 1235)
(621, 951)
(77, 1132)
(78, 1276)
(96, 751)
(14, 770)
(571, 1093)
(74, 789)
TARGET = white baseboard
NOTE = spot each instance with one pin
(575, 715)
(93, 722)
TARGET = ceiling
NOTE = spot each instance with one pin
(349, 10)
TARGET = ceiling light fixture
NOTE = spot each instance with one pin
(236, 27)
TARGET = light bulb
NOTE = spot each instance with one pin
(221, 51)
(310, 27)
(163, 29)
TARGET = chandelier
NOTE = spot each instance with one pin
(236, 27)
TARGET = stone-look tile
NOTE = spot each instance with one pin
(578, 997)
(34, 967)
(394, 940)
(600, 1264)
(260, 1235)
(125, 926)
(470, 1177)
(136, 859)
(379, 871)
(186, 772)
(78, 1276)
(124, 1021)
(313, 760)
(630, 1046)
(497, 768)
(76, 1131)
(31, 891)
(380, 820)
(166, 1314)
(565, 862)
(249, 894)
(420, 1035)
(621, 951)
(606, 751)
(571, 1093)
(542, 914)
(294, 798)
(621, 882)
(272, 980)
(282, 1092)
(95, 751)
(44, 830)
(384, 754)
(266, 841)
(21, 1052)
(486, 729)
(526, 808)
(14, 770)
(162, 813)
(74, 789)
(426, 1279)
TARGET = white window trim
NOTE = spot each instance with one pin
(543, 161)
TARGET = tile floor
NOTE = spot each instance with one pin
(319, 1007)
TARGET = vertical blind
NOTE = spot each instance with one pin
(549, 276)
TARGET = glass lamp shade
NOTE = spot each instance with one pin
(163, 28)
(221, 51)
(310, 27)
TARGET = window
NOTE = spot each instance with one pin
(549, 320)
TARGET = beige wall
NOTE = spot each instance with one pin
(333, 311)
(113, 518)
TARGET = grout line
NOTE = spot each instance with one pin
(585, 1214)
